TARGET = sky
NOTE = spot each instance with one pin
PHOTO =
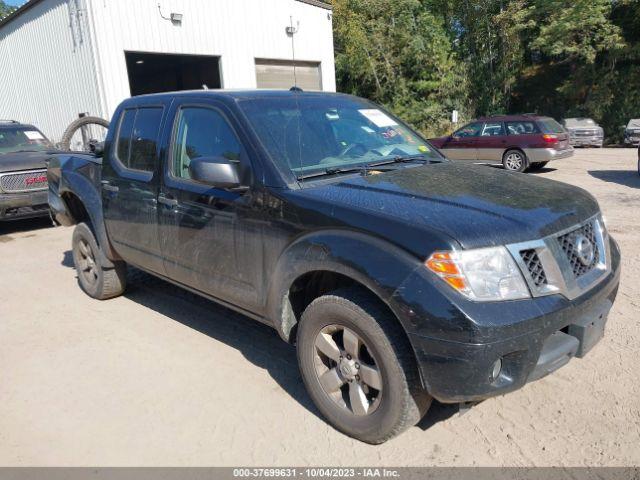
(14, 3)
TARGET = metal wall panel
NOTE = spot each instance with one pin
(238, 31)
(63, 57)
(47, 73)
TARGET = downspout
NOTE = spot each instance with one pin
(97, 63)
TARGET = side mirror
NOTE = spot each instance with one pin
(215, 171)
(97, 148)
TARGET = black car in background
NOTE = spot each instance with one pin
(23, 172)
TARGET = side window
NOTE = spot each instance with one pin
(138, 138)
(492, 129)
(522, 128)
(472, 130)
(124, 136)
(202, 132)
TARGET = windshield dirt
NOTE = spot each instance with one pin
(306, 134)
(14, 140)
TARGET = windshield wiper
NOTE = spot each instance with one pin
(367, 167)
(333, 171)
(402, 159)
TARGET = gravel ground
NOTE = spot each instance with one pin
(160, 377)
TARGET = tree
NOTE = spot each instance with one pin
(399, 54)
(5, 9)
(424, 58)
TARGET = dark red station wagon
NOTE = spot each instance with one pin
(519, 142)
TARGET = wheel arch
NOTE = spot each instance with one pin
(322, 262)
(83, 203)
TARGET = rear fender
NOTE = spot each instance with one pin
(80, 178)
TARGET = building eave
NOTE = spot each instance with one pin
(32, 3)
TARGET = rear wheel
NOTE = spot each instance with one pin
(358, 367)
(515, 161)
(95, 280)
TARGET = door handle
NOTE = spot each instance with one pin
(169, 202)
(108, 187)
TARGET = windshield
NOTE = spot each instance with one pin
(579, 122)
(635, 123)
(19, 139)
(318, 133)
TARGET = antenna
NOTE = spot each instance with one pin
(291, 31)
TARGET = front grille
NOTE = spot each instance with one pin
(586, 133)
(569, 243)
(534, 265)
(23, 181)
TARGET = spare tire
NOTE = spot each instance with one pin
(65, 143)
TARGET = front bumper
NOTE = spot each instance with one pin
(23, 205)
(531, 337)
(587, 141)
(538, 155)
(634, 140)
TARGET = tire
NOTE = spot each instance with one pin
(95, 280)
(400, 401)
(535, 167)
(515, 161)
(65, 143)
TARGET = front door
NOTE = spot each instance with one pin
(462, 144)
(211, 237)
(491, 143)
(130, 187)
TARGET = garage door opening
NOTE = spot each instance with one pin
(279, 74)
(159, 72)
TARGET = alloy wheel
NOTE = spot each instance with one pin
(347, 371)
(87, 262)
(514, 161)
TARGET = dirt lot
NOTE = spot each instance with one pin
(160, 377)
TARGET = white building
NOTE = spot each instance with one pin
(63, 58)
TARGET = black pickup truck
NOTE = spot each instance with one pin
(399, 276)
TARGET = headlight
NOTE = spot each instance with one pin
(483, 275)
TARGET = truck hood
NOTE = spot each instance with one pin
(477, 206)
(12, 162)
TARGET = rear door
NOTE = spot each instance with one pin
(130, 186)
(462, 144)
(491, 143)
(211, 237)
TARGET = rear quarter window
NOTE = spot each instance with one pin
(549, 125)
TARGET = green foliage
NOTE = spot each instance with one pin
(399, 54)
(424, 58)
(5, 9)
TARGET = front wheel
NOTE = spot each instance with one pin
(358, 368)
(515, 161)
(95, 280)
